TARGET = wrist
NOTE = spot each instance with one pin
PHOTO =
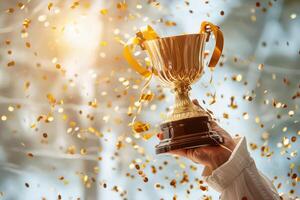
(219, 159)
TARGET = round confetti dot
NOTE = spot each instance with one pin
(3, 118)
(293, 16)
(10, 108)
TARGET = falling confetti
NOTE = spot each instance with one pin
(74, 114)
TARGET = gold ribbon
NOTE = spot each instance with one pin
(146, 33)
(207, 27)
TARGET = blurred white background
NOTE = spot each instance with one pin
(65, 90)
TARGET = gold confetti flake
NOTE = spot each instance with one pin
(26, 85)
(203, 188)
(103, 11)
(21, 5)
(170, 23)
(122, 5)
(237, 78)
(233, 105)
(10, 10)
(51, 98)
(226, 115)
(140, 127)
(30, 155)
(253, 146)
(245, 115)
(101, 89)
(213, 99)
(50, 5)
(83, 151)
(147, 136)
(103, 43)
(93, 103)
(74, 5)
(71, 150)
(26, 23)
(173, 183)
(57, 66)
(260, 66)
(27, 44)
(49, 119)
(285, 141)
(147, 97)
(11, 63)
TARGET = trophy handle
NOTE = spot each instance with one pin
(146, 33)
(207, 27)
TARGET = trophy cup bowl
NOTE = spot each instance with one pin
(178, 63)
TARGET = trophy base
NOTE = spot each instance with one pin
(186, 134)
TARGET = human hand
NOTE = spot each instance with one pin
(210, 156)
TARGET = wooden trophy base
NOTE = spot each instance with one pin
(187, 133)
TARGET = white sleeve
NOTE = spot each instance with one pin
(239, 179)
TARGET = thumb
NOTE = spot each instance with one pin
(209, 113)
(196, 102)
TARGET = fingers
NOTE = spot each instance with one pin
(213, 122)
(209, 113)
(228, 141)
(215, 126)
(160, 136)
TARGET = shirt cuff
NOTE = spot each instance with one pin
(224, 175)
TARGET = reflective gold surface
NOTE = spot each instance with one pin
(178, 61)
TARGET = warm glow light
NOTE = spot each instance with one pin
(82, 32)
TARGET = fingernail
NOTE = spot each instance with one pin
(195, 101)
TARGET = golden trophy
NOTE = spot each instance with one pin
(178, 63)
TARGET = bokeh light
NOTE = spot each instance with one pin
(67, 96)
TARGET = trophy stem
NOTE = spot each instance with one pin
(183, 102)
(184, 107)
